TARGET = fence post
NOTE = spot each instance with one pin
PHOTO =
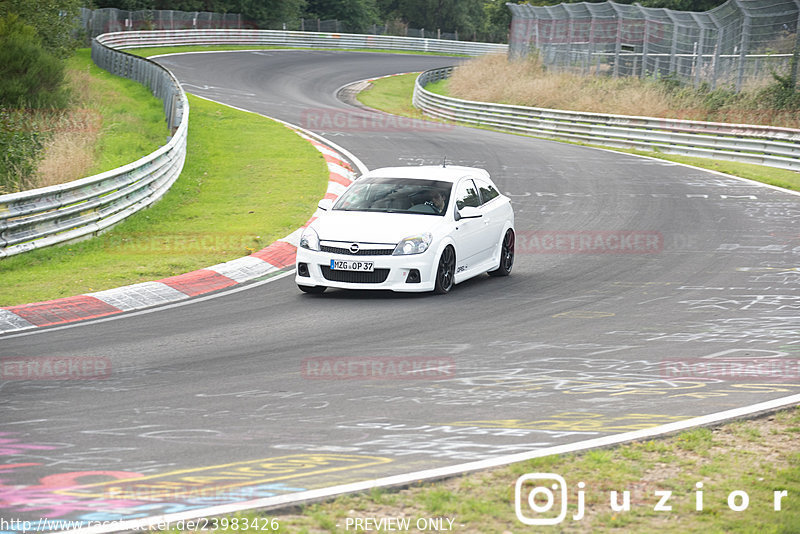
(796, 55)
(674, 51)
(744, 44)
(618, 45)
(645, 42)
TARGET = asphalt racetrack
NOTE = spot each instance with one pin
(626, 269)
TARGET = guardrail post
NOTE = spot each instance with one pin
(67, 212)
(763, 145)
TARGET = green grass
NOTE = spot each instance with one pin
(133, 122)
(759, 173)
(393, 95)
(247, 181)
(483, 502)
(439, 88)
(160, 50)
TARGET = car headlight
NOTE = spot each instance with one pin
(413, 245)
(309, 239)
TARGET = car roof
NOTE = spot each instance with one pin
(450, 173)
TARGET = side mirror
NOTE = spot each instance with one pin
(325, 204)
(468, 212)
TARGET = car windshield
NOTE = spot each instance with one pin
(396, 195)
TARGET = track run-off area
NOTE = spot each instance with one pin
(644, 293)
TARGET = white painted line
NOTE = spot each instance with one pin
(442, 472)
(149, 294)
(718, 173)
(186, 302)
(347, 154)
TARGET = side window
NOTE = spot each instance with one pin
(488, 192)
(467, 195)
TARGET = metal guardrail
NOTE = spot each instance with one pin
(76, 210)
(760, 145)
(297, 40)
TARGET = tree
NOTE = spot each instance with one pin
(498, 20)
(265, 13)
(55, 21)
(30, 76)
(464, 16)
(677, 5)
(357, 15)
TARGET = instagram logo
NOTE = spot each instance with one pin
(544, 491)
(546, 498)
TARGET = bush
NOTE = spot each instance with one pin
(30, 77)
(20, 150)
(781, 94)
(56, 22)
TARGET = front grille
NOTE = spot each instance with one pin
(377, 276)
(361, 252)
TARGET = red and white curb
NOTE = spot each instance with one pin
(277, 256)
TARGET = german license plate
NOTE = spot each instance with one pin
(348, 265)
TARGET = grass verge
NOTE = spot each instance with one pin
(758, 457)
(770, 100)
(247, 181)
(114, 121)
(393, 95)
(133, 122)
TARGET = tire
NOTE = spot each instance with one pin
(445, 273)
(506, 255)
(313, 290)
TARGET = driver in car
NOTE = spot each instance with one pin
(437, 201)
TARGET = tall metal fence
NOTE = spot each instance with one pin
(292, 39)
(77, 210)
(755, 144)
(737, 43)
(99, 21)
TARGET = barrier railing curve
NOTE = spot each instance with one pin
(76, 210)
(745, 143)
(82, 208)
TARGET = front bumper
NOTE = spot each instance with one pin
(396, 269)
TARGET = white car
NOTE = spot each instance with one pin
(417, 229)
